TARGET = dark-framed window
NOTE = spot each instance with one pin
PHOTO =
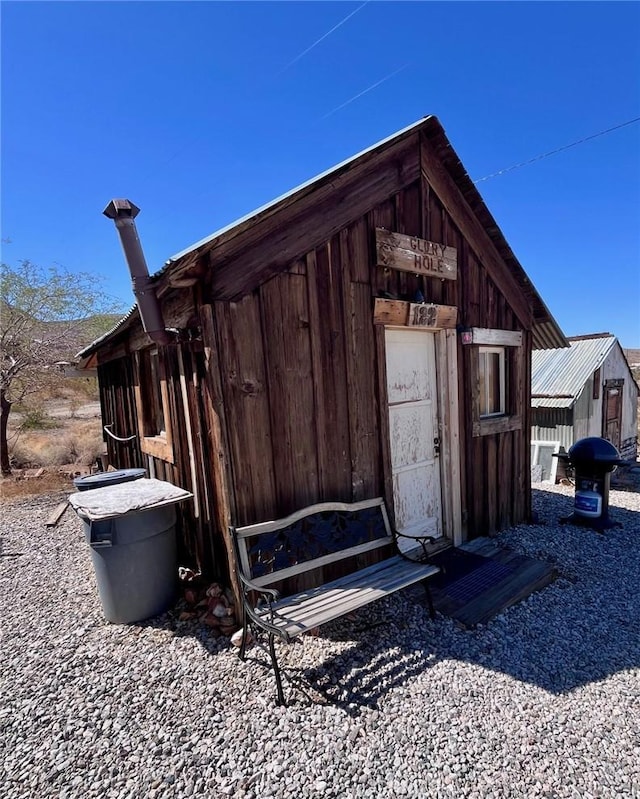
(596, 383)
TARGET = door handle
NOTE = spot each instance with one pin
(436, 446)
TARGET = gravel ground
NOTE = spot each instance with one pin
(542, 701)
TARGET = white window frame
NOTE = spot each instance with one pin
(484, 401)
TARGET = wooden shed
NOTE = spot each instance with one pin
(368, 334)
(585, 390)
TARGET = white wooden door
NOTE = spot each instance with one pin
(413, 431)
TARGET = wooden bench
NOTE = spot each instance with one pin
(317, 536)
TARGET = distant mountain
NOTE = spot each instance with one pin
(88, 330)
(633, 357)
(65, 337)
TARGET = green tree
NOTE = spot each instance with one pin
(46, 316)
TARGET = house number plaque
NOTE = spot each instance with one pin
(422, 315)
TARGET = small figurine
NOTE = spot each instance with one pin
(217, 610)
(217, 603)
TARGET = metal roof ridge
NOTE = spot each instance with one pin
(305, 185)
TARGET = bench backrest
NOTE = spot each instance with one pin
(312, 537)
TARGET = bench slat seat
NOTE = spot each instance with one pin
(302, 612)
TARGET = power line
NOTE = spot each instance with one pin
(558, 150)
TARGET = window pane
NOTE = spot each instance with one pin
(483, 384)
(152, 407)
(493, 382)
(157, 421)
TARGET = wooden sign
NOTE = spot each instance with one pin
(411, 254)
(496, 338)
(410, 314)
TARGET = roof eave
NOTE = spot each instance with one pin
(546, 333)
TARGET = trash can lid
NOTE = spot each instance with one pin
(103, 479)
(110, 502)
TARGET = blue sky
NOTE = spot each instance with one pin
(200, 112)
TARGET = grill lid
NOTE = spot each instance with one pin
(595, 450)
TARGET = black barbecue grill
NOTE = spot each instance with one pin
(593, 460)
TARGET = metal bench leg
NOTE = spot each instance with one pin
(432, 612)
(276, 670)
(245, 634)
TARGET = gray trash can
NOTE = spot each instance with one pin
(133, 549)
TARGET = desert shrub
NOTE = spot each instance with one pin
(21, 455)
(35, 417)
(56, 452)
(80, 389)
(87, 443)
(86, 387)
(35, 449)
(78, 443)
(52, 389)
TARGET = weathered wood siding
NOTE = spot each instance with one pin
(301, 383)
(298, 375)
(285, 386)
(118, 411)
(191, 471)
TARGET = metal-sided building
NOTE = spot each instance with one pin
(368, 334)
(585, 390)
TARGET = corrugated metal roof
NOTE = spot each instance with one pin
(558, 376)
(552, 402)
(545, 334)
